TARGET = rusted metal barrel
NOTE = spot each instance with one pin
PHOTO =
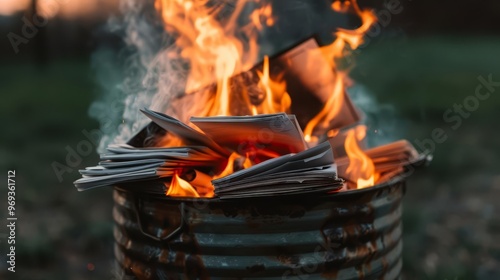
(349, 235)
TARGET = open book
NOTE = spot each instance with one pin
(271, 134)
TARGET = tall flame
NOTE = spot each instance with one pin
(231, 164)
(216, 49)
(334, 51)
(330, 110)
(360, 165)
(276, 98)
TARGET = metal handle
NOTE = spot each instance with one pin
(167, 238)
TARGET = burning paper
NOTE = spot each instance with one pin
(236, 129)
(218, 142)
(312, 170)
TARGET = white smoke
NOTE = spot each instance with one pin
(141, 75)
(145, 74)
(381, 119)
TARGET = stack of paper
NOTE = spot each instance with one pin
(389, 160)
(125, 163)
(274, 142)
(389, 156)
(312, 170)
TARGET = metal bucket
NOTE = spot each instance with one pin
(349, 235)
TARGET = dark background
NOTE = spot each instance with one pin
(426, 59)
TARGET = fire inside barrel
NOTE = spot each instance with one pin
(258, 167)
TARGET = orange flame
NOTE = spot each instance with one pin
(180, 187)
(229, 166)
(336, 50)
(330, 110)
(216, 50)
(229, 169)
(170, 140)
(360, 165)
(263, 14)
(277, 99)
(341, 6)
(247, 163)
